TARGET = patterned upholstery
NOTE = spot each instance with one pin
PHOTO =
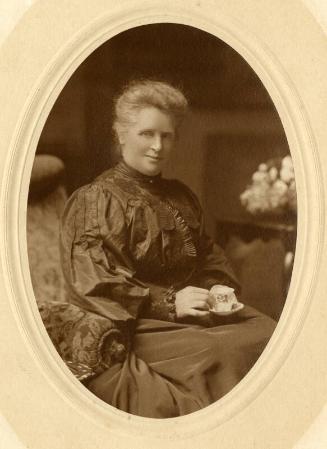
(47, 196)
(87, 342)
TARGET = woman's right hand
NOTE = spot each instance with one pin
(192, 302)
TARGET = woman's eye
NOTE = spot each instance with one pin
(147, 133)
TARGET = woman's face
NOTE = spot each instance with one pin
(147, 142)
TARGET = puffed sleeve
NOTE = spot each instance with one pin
(96, 264)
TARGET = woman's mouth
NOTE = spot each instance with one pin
(155, 158)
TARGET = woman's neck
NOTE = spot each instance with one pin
(127, 170)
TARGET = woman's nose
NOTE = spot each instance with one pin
(157, 143)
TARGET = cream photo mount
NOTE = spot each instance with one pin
(212, 425)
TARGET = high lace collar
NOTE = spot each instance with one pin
(130, 172)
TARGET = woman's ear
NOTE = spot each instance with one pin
(120, 135)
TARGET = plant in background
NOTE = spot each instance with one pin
(272, 190)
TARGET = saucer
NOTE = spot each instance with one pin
(230, 312)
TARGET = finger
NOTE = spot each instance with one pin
(199, 302)
(202, 305)
(197, 289)
(202, 296)
(195, 312)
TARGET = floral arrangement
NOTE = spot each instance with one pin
(272, 190)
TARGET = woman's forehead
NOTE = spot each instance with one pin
(151, 116)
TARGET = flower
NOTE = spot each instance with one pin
(273, 173)
(259, 176)
(286, 174)
(287, 162)
(273, 188)
(280, 186)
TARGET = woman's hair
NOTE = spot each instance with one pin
(146, 93)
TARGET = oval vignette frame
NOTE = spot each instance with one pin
(44, 91)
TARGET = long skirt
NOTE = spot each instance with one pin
(174, 369)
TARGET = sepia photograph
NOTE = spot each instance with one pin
(162, 224)
(162, 220)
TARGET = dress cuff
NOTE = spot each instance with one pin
(161, 305)
(170, 298)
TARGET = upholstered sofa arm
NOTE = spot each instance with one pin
(48, 173)
(88, 343)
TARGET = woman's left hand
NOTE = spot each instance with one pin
(192, 302)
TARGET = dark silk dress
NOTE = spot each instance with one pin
(128, 242)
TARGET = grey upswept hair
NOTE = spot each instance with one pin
(146, 93)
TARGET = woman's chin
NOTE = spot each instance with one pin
(151, 169)
(152, 172)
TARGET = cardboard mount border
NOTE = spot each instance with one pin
(15, 187)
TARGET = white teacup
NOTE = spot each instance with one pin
(223, 298)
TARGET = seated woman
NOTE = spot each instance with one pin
(135, 254)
